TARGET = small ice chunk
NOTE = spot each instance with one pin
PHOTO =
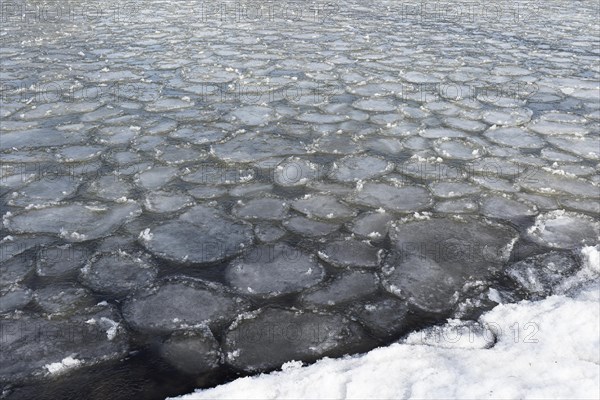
(155, 178)
(448, 190)
(295, 171)
(310, 228)
(163, 202)
(14, 298)
(565, 230)
(63, 299)
(275, 336)
(371, 225)
(271, 270)
(324, 207)
(179, 304)
(75, 222)
(514, 137)
(347, 287)
(268, 233)
(253, 115)
(539, 275)
(351, 253)
(199, 236)
(363, 167)
(422, 282)
(262, 209)
(400, 199)
(195, 352)
(384, 317)
(504, 208)
(117, 273)
(45, 191)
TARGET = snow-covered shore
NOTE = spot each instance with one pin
(543, 349)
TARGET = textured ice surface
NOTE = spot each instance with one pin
(212, 174)
(251, 147)
(15, 270)
(351, 253)
(34, 346)
(14, 298)
(39, 138)
(61, 260)
(73, 222)
(433, 259)
(356, 168)
(15, 245)
(452, 189)
(457, 149)
(539, 275)
(459, 206)
(548, 183)
(375, 105)
(43, 192)
(154, 178)
(62, 299)
(162, 202)
(336, 144)
(506, 208)
(179, 305)
(295, 171)
(386, 317)
(265, 208)
(511, 117)
(271, 270)
(514, 137)
(565, 230)
(268, 232)
(466, 246)
(372, 225)
(325, 207)
(400, 199)
(200, 235)
(585, 147)
(252, 115)
(422, 281)
(117, 273)
(348, 287)
(110, 187)
(310, 228)
(272, 336)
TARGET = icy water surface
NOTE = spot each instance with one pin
(193, 191)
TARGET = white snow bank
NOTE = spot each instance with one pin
(543, 349)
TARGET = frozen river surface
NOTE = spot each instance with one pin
(193, 191)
